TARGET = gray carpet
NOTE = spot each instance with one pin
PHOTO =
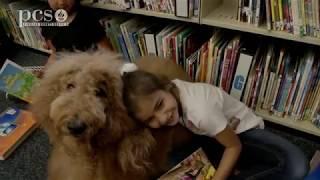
(29, 160)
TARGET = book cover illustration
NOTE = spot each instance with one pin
(8, 122)
(194, 167)
(15, 125)
(16, 81)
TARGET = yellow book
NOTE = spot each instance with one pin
(302, 18)
(204, 61)
(273, 20)
(276, 15)
(280, 14)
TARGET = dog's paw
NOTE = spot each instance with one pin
(135, 151)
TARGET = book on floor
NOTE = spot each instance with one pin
(196, 166)
(17, 81)
(314, 172)
(15, 126)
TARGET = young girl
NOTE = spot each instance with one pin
(208, 110)
(83, 32)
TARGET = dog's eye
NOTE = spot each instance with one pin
(70, 86)
(100, 92)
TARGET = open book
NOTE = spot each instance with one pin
(194, 167)
(16, 80)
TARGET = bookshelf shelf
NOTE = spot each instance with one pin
(305, 126)
(144, 12)
(224, 16)
(35, 48)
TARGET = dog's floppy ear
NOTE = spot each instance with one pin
(42, 97)
(135, 151)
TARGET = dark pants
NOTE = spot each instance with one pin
(264, 156)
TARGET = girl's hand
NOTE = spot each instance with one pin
(234, 123)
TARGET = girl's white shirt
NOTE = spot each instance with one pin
(207, 110)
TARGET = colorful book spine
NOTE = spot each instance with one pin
(265, 76)
(295, 80)
(268, 14)
(240, 78)
(302, 85)
(226, 66)
(266, 104)
(276, 90)
(123, 48)
(285, 95)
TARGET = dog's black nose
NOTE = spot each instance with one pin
(76, 127)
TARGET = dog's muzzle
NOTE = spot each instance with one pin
(76, 127)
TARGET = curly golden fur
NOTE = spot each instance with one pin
(85, 89)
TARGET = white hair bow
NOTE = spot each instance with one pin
(128, 67)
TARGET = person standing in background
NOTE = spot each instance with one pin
(82, 33)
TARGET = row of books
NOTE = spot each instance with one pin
(25, 35)
(284, 92)
(136, 37)
(300, 17)
(181, 8)
(267, 77)
(251, 11)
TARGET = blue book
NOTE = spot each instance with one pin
(314, 175)
(134, 43)
(123, 48)
(285, 84)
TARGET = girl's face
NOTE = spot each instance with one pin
(158, 109)
(67, 5)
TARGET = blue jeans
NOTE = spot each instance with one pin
(264, 156)
(290, 161)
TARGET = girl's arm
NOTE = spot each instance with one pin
(233, 146)
(52, 57)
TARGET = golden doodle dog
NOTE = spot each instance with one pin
(79, 105)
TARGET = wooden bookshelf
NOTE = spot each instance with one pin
(215, 13)
(143, 12)
(304, 126)
(225, 16)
